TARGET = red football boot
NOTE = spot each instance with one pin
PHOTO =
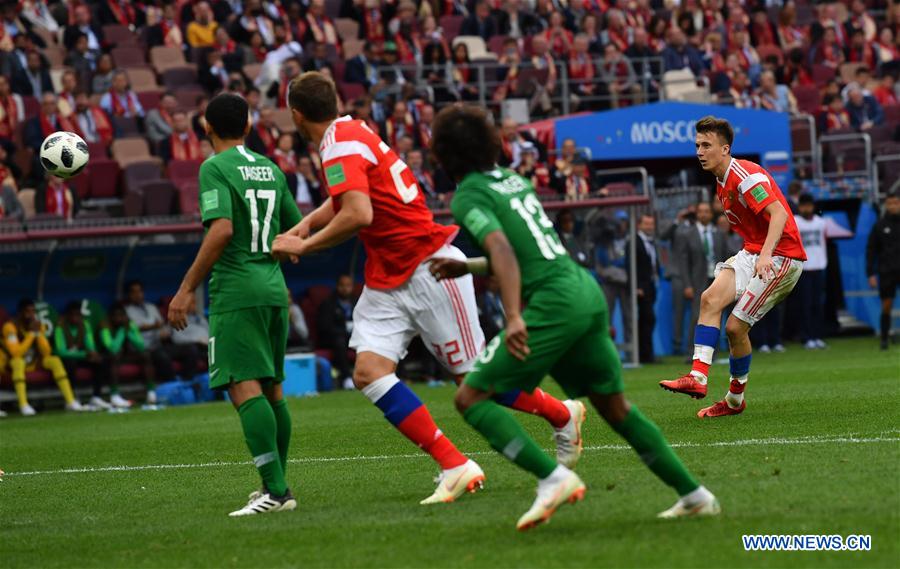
(686, 384)
(721, 409)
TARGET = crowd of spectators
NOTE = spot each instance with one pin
(118, 69)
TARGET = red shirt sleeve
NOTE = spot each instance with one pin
(347, 173)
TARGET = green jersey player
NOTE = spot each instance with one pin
(563, 331)
(244, 203)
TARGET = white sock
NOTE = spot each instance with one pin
(734, 400)
(705, 355)
(377, 389)
(558, 474)
(698, 496)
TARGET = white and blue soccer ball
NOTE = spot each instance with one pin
(64, 154)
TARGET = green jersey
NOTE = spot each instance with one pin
(502, 200)
(252, 192)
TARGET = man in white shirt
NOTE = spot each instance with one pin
(811, 287)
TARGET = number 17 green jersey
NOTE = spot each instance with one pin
(500, 199)
(252, 192)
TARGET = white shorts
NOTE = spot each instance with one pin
(443, 313)
(755, 297)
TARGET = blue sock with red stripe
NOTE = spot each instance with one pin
(407, 413)
(539, 403)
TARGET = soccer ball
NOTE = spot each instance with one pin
(64, 154)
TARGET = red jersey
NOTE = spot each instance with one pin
(403, 232)
(746, 192)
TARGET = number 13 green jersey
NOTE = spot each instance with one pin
(500, 199)
(252, 192)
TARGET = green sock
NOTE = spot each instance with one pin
(645, 437)
(283, 421)
(259, 425)
(508, 437)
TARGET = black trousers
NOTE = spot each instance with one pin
(338, 346)
(99, 372)
(185, 354)
(811, 295)
(646, 324)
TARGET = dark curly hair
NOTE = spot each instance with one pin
(464, 141)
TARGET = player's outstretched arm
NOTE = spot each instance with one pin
(355, 214)
(214, 243)
(318, 218)
(506, 268)
(777, 218)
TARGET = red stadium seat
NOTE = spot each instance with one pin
(809, 98)
(128, 56)
(179, 77)
(159, 197)
(149, 99)
(188, 197)
(892, 115)
(184, 170)
(495, 44)
(126, 126)
(104, 177)
(352, 91)
(32, 106)
(822, 74)
(765, 51)
(118, 35)
(97, 150)
(451, 26)
(139, 172)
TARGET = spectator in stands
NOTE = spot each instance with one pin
(541, 58)
(162, 27)
(54, 197)
(83, 25)
(26, 349)
(182, 144)
(790, 35)
(462, 75)
(399, 124)
(480, 22)
(860, 20)
(835, 116)
(559, 39)
(363, 68)
(491, 315)
(795, 72)
(75, 345)
(617, 31)
(883, 260)
(120, 100)
(416, 162)
(679, 54)
(81, 59)
(434, 35)
(159, 120)
(590, 28)
(37, 14)
(213, 76)
(827, 51)
(620, 79)
(193, 340)
(309, 186)
(34, 79)
(120, 12)
(747, 56)
(578, 185)
(122, 341)
(762, 31)
(861, 51)
(103, 75)
(811, 286)
(696, 249)
(298, 331)
(885, 93)
(581, 70)
(864, 110)
(887, 51)
(334, 324)
(739, 92)
(278, 90)
(861, 78)
(372, 26)
(202, 31)
(426, 117)
(774, 97)
(92, 122)
(12, 114)
(647, 263)
(10, 206)
(66, 96)
(320, 28)
(264, 134)
(511, 144)
(531, 168)
(514, 22)
(155, 333)
(318, 60)
(47, 122)
(574, 243)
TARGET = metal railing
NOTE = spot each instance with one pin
(864, 138)
(877, 194)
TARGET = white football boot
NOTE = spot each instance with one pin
(700, 502)
(561, 487)
(455, 482)
(264, 503)
(27, 411)
(568, 437)
(118, 401)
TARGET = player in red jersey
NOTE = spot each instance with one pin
(373, 193)
(757, 278)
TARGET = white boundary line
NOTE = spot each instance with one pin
(807, 440)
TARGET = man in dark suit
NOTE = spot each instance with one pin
(34, 80)
(647, 261)
(695, 251)
(363, 69)
(83, 25)
(481, 23)
(516, 23)
(334, 323)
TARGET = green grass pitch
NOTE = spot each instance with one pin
(816, 452)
